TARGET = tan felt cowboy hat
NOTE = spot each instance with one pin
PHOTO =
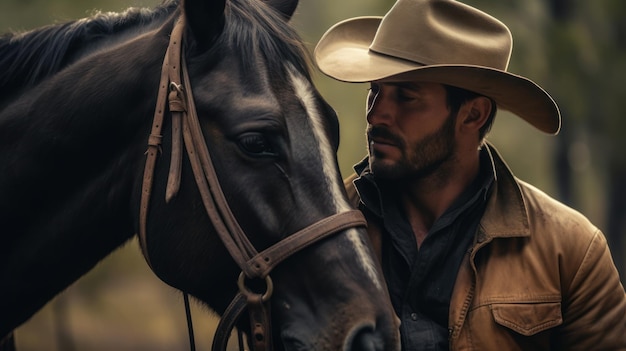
(442, 41)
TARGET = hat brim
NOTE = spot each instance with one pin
(343, 53)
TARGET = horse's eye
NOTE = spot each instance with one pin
(256, 144)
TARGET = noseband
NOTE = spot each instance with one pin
(175, 87)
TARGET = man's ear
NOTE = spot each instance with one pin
(477, 111)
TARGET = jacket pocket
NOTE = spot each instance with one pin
(527, 318)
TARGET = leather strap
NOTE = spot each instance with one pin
(176, 163)
(227, 322)
(262, 263)
(260, 323)
(154, 139)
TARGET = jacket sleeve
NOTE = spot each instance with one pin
(594, 310)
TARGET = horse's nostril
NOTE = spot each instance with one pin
(365, 339)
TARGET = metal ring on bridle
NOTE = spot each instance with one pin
(176, 87)
(244, 290)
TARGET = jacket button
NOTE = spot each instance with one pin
(414, 316)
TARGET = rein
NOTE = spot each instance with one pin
(175, 88)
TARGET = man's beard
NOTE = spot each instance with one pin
(418, 160)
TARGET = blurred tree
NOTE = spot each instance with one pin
(587, 60)
(560, 9)
(605, 73)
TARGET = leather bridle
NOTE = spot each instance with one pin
(176, 89)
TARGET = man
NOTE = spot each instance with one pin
(474, 258)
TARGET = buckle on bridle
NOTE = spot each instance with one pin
(269, 288)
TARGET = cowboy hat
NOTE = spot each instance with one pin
(441, 41)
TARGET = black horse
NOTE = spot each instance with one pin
(77, 101)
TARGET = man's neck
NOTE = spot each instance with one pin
(426, 199)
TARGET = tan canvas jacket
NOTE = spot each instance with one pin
(538, 277)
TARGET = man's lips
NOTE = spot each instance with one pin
(380, 141)
(383, 146)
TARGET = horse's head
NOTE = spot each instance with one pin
(272, 141)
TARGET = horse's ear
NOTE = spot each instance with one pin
(286, 7)
(205, 19)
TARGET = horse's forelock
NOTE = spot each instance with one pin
(252, 27)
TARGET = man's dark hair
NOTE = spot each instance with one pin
(456, 97)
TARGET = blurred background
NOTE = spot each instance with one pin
(574, 49)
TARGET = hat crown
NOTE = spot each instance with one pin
(435, 32)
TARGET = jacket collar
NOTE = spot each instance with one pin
(506, 215)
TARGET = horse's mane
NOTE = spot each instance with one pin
(254, 29)
(27, 58)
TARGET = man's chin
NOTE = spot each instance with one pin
(385, 168)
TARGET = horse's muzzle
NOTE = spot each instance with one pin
(368, 338)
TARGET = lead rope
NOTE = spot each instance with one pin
(240, 339)
(192, 339)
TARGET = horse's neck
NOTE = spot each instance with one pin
(76, 128)
(70, 151)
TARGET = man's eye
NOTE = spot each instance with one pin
(405, 98)
(404, 95)
(256, 144)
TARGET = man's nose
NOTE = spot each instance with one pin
(379, 109)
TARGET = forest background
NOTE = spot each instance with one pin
(575, 49)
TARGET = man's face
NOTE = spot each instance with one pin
(411, 132)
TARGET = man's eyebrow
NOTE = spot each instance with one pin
(406, 85)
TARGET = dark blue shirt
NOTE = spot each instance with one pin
(420, 281)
